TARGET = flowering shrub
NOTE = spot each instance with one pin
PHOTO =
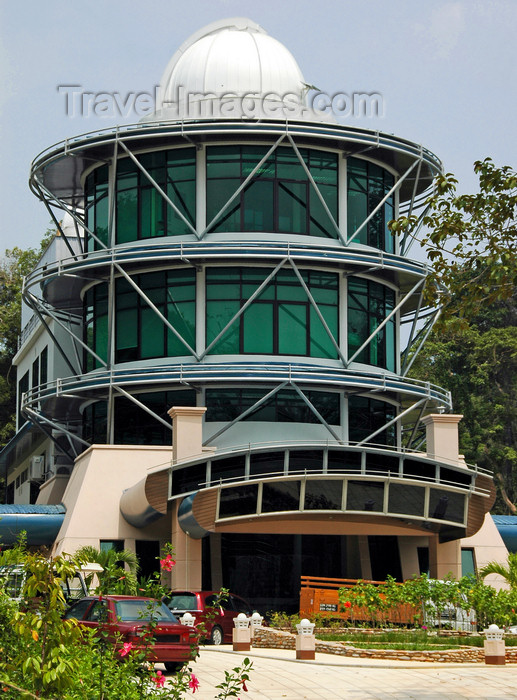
(44, 656)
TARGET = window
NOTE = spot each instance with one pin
(365, 496)
(367, 186)
(285, 406)
(142, 212)
(239, 500)
(289, 324)
(367, 415)
(279, 198)
(96, 325)
(96, 198)
(133, 425)
(44, 366)
(368, 305)
(23, 387)
(139, 332)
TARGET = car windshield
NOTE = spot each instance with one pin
(143, 610)
(12, 578)
(183, 601)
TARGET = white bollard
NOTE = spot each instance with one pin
(241, 636)
(188, 620)
(255, 622)
(305, 641)
(495, 649)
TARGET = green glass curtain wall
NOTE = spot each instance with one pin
(368, 305)
(288, 323)
(97, 206)
(280, 197)
(367, 185)
(141, 211)
(285, 406)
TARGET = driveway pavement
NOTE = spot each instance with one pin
(276, 675)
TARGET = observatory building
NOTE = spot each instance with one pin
(211, 352)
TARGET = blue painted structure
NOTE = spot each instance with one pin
(41, 523)
(507, 526)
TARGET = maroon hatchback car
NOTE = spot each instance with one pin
(125, 616)
(216, 617)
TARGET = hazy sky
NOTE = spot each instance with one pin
(446, 71)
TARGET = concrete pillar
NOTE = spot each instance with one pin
(445, 558)
(442, 436)
(187, 428)
(443, 445)
(187, 431)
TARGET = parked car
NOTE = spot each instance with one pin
(207, 607)
(125, 617)
(14, 576)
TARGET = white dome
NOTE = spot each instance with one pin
(231, 69)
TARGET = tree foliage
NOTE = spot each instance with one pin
(477, 362)
(471, 240)
(14, 266)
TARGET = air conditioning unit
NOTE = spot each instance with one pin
(37, 468)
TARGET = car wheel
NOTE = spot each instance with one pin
(172, 666)
(216, 636)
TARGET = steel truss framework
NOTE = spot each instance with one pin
(50, 180)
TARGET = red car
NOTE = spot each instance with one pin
(126, 616)
(204, 606)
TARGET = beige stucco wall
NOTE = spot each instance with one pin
(92, 496)
(488, 546)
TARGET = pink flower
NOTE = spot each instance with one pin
(193, 683)
(167, 563)
(159, 679)
(126, 648)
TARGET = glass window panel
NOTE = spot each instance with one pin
(343, 461)
(323, 167)
(292, 207)
(152, 213)
(127, 215)
(228, 468)
(183, 318)
(277, 496)
(365, 496)
(288, 165)
(101, 214)
(305, 460)
(323, 495)
(258, 206)
(320, 222)
(321, 343)
(218, 192)
(408, 500)
(292, 333)
(183, 195)
(422, 470)
(446, 505)
(218, 315)
(189, 479)
(239, 500)
(357, 211)
(127, 335)
(258, 328)
(262, 463)
(251, 157)
(468, 566)
(223, 161)
(101, 337)
(151, 334)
